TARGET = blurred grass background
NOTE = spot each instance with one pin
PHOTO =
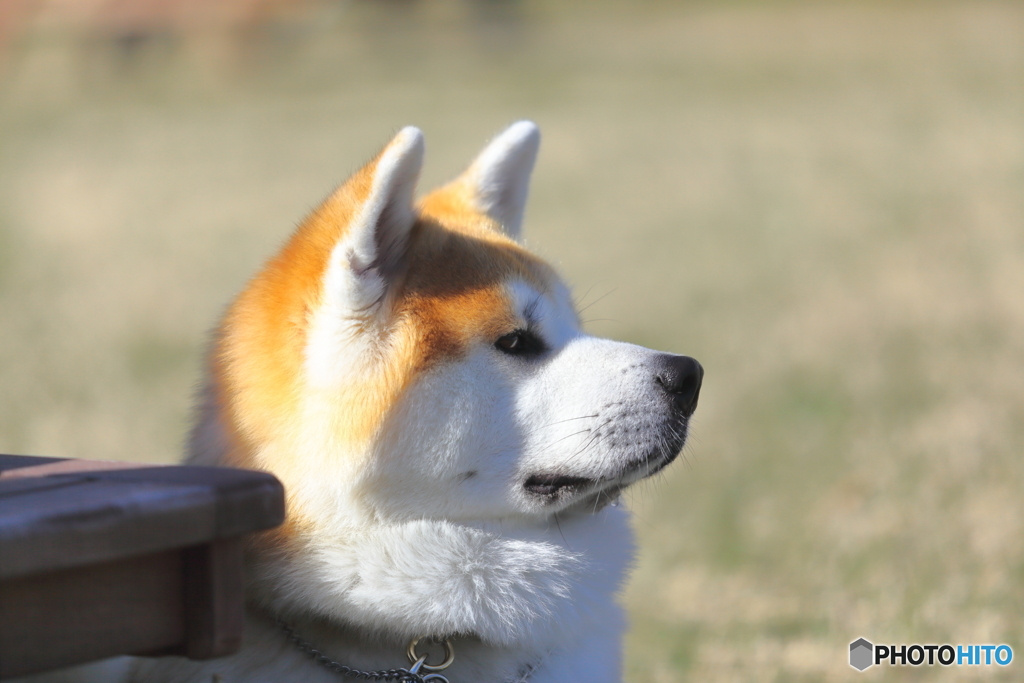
(823, 202)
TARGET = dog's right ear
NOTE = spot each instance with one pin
(380, 200)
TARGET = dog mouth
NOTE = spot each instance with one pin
(549, 485)
(556, 486)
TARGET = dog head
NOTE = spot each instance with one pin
(403, 359)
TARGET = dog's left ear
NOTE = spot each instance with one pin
(498, 180)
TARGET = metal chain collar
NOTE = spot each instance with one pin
(410, 675)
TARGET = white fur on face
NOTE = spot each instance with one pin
(469, 435)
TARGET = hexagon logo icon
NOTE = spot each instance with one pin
(861, 654)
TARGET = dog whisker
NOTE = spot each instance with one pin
(610, 291)
(569, 419)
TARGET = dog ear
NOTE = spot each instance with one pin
(363, 261)
(498, 180)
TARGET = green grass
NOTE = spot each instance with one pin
(820, 201)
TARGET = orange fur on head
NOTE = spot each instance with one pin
(259, 348)
(447, 293)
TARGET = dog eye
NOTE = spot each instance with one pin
(520, 343)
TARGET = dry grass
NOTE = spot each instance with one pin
(823, 203)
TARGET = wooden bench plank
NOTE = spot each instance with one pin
(245, 500)
(101, 559)
(98, 521)
(12, 462)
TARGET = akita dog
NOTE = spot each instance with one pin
(448, 437)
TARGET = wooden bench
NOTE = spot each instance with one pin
(102, 558)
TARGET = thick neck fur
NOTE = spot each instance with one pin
(508, 585)
(507, 589)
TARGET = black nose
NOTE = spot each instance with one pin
(680, 377)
